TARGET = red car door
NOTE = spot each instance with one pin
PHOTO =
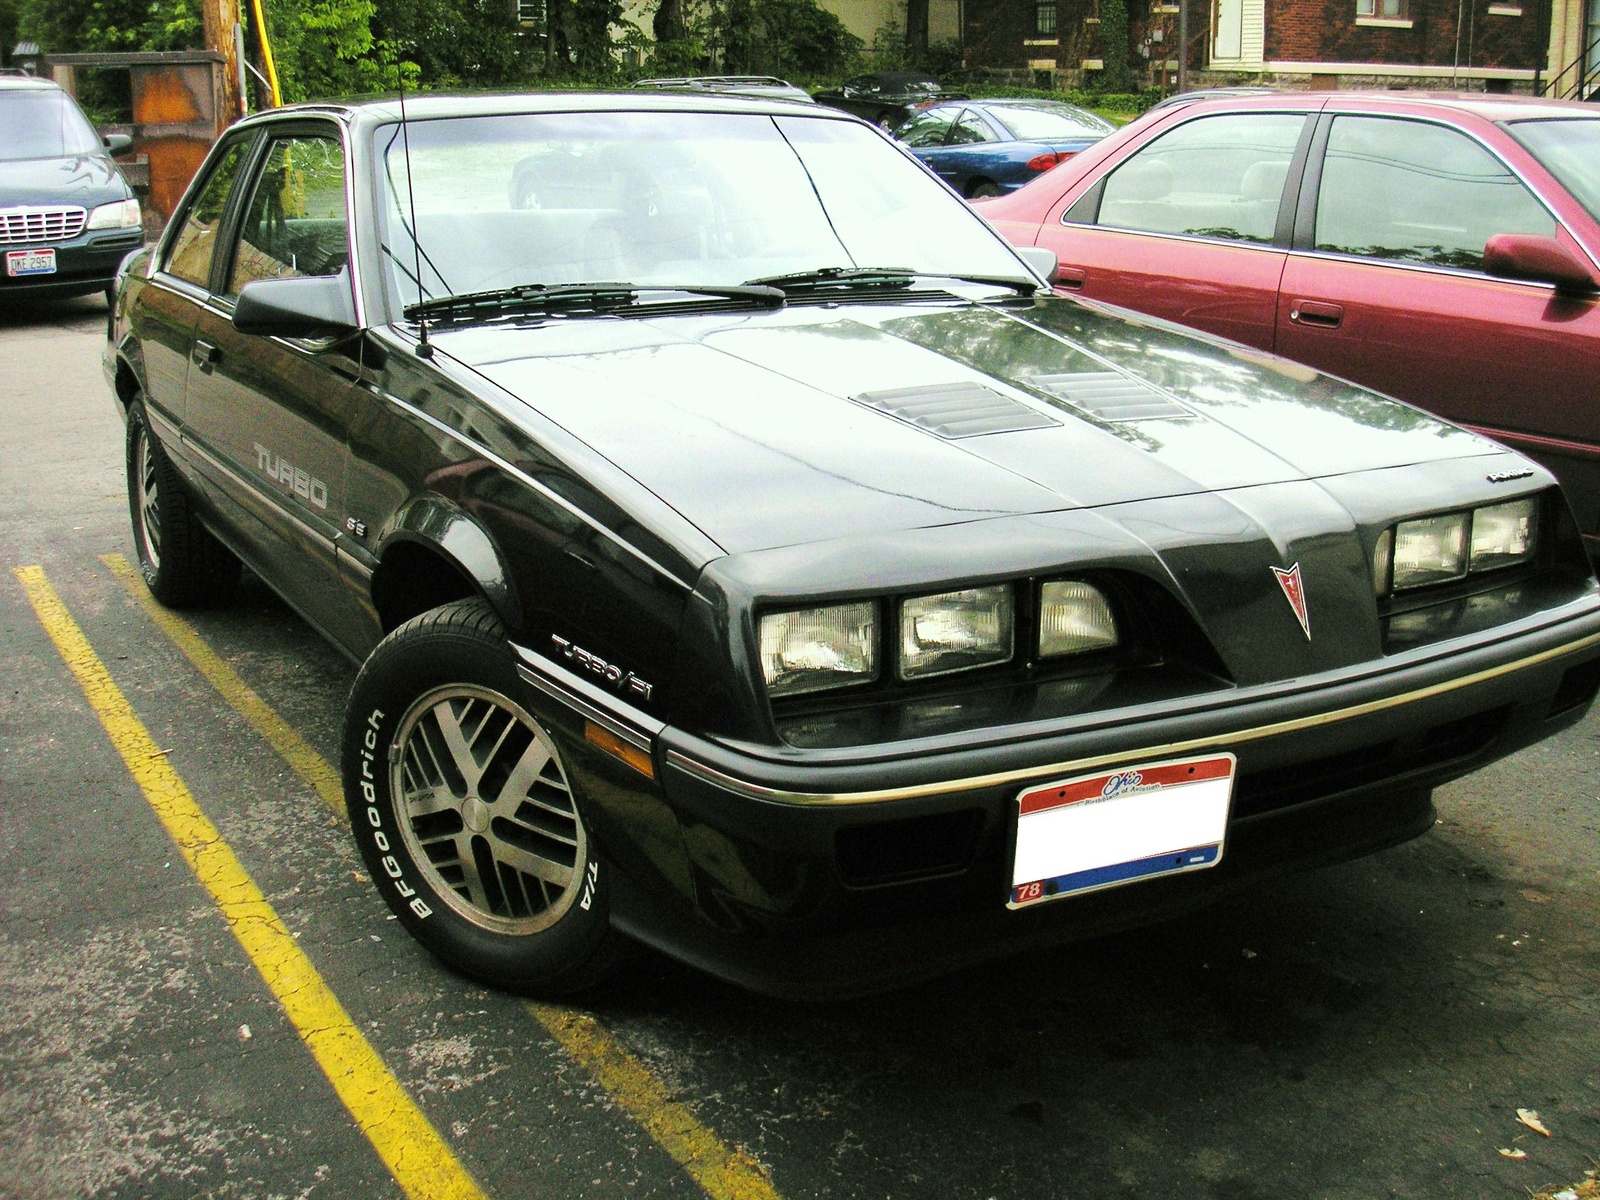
(1190, 225)
(1385, 286)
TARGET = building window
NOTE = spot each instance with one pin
(1045, 19)
(1384, 10)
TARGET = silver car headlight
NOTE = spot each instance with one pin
(819, 648)
(1440, 549)
(122, 214)
(1429, 550)
(1503, 534)
(955, 631)
(1074, 618)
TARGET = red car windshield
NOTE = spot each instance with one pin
(43, 124)
(1569, 148)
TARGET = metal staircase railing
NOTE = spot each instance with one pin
(1584, 80)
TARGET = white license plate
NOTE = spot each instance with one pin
(1098, 831)
(30, 262)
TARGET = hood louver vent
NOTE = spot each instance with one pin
(1112, 397)
(956, 410)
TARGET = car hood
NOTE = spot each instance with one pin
(773, 429)
(86, 179)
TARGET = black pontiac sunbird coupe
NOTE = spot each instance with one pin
(748, 556)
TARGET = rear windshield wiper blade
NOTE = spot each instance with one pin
(596, 297)
(868, 278)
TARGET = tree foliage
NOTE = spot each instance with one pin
(1115, 75)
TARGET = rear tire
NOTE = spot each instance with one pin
(182, 563)
(982, 190)
(463, 809)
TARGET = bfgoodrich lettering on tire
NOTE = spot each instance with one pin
(464, 812)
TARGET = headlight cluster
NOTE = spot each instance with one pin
(122, 214)
(1440, 549)
(815, 649)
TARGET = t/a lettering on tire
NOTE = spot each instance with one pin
(464, 812)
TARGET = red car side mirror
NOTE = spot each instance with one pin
(1539, 259)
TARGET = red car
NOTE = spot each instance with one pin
(1442, 249)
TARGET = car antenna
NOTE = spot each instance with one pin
(424, 347)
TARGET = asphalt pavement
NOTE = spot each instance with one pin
(1364, 1031)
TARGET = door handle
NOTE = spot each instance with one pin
(1316, 312)
(205, 354)
(1071, 277)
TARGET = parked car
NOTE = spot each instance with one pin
(825, 623)
(1442, 249)
(986, 147)
(886, 98)
(766, 86)
(1216, 93)
(67, 216)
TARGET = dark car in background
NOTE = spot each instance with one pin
(988, 147)
(749, 556)
(67, 216)
(886, 98)
(1442, 249)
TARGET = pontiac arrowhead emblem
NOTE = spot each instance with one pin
(1295, 592)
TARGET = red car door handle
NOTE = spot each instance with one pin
(1070, 277)
(1316, 312)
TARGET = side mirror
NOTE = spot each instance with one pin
(1540, 260)
(310, 306)
(1041, 261)
(117, 143)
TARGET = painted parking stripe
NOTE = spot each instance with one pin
(419, 1159)
(724, 1173)
(279, 734)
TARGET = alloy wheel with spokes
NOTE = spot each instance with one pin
(147, 499)
(486, 811)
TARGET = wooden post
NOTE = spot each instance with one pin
(221, 17)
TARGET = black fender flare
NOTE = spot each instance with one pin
(450, 532)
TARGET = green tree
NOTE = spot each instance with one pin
(1115, 75)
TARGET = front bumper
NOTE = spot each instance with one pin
(84, 265)
(812, 875)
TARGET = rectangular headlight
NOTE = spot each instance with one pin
(1430, 550)
(123, 214)
(1503, 534)
(819, 648)
(955, 631)
(1074, 618)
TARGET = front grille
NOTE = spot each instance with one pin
(30, 224)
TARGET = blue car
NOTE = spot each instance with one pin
(988, 147)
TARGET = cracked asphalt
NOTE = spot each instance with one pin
(1364, 1031)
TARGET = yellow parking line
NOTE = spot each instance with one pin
(420, 1161)
(725, 1174)
(279, 734)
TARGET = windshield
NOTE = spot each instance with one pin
(43, 124)
(1569, 148)
(1044, 124)
(662, 199)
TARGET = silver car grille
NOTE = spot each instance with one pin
(40, 224)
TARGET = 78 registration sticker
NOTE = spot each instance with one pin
(1098, 831)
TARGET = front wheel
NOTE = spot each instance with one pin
(465, 814)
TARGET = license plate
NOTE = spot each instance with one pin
(1098, 831)
(30, 262)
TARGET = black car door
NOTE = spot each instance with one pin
(164, 318)
(269, 415)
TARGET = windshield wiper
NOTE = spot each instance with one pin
(881, 278)
(578, 297)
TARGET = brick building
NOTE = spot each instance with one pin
(1476, 45)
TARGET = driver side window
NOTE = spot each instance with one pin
(295, 223)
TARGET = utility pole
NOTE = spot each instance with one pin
(1183, 45)
(221, 19)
